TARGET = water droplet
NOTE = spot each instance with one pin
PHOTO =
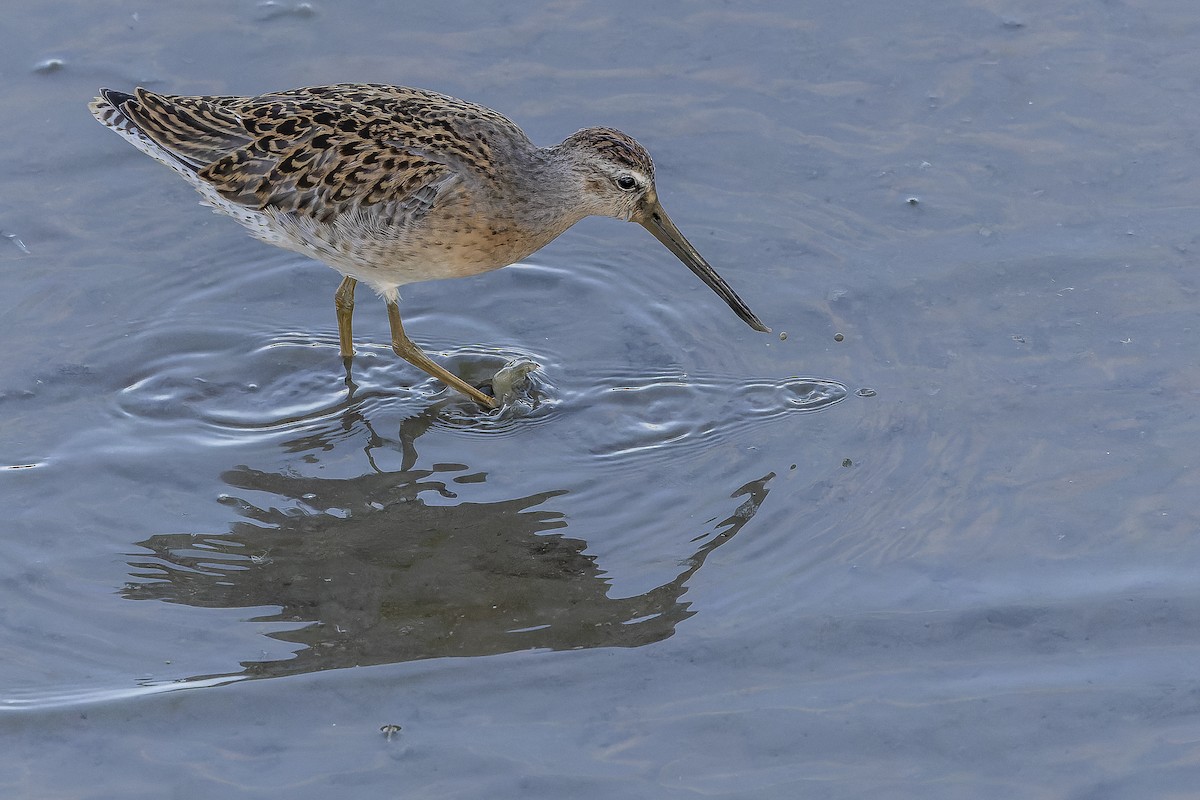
(837, 337)
(865, 392)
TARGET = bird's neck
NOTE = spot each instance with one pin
(551, 191)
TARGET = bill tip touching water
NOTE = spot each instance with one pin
(392, 185)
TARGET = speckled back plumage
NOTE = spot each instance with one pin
(346, 173)
(318, 150)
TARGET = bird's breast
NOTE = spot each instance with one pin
(438, 247)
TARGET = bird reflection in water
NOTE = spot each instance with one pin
(363, 571)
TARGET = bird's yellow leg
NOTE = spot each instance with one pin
(404, 348)
(343, 301)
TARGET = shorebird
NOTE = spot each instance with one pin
(391, 185)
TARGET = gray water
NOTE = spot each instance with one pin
(951, 553)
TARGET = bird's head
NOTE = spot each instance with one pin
(618, 181)
(617, 172)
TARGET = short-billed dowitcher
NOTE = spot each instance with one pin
(391, 185)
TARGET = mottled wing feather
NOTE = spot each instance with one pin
(317, 169)
(192, 129)
(322, 151)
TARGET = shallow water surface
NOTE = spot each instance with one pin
(937, 541)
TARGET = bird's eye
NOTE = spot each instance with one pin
(626, 182)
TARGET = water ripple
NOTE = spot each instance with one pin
(656, 416)
(291, 380)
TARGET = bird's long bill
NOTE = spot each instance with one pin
(655, 220)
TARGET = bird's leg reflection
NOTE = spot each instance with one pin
(351, 385)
